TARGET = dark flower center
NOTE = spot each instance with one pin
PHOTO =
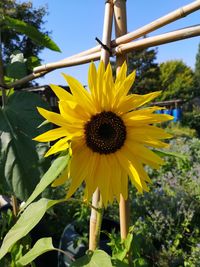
(105, 133)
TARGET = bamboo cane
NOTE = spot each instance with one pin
(158, 23)
(158, 40)
(95, 221)
(121, 29)
(125, 48)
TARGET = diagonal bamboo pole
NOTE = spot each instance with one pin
(158, 23)
(158, 40)
(121, 29)
(95, 218)
(125, 48)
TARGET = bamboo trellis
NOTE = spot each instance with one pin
(119, 47)
(124, 44)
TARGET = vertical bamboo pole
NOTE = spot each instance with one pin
(121, 29)
(95, 221)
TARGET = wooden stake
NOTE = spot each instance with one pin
(121, 29)
(95, 224)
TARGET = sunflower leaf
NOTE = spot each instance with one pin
(163, 153)
(30, 31)
(21, 159)
(53, 172)
(41, 246)
(26, 222)
(98, 258)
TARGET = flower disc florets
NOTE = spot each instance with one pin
(105, 133)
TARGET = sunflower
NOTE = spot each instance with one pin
(107, 132)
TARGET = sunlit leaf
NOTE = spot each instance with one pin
(53, 172)
(30, 31)
(98, 258)
(21, 158)
(31, 216)
(41, 246)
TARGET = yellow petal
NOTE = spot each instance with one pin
(144, 154)
(52, 117)
(61, 93)
(100, 75)
(127, 165)
(82, 97)
(145, 116)
(60, 145)
(133, 101)
(121, 75)
(78, 170)
(116, 176)
(92, 79)
(51, 135)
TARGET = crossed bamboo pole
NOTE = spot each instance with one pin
(122, 44)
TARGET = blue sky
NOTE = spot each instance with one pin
(75, 24)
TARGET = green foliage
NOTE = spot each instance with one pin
(147, 71)
(17, 68)
(21, 25)
(25, 223)
(176, 80)
(197, 72)
(22, 163)
(96, 259)
(166, 220)
(30, 31)
(41, 246)
(192, 119)
(178, 130)
(55, 170)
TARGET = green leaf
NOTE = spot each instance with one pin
(16, 70)
(30, 31)
(53, 172)
(32, 62)
(29, 218)
(22, 162)
(98, 258)
(118, 263)
(163, 153)
(41, 246)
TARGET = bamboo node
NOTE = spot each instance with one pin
(118, 51)
(182, 13)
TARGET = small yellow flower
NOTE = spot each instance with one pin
(108, 132)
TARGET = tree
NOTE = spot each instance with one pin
(177, 80)
(147, 70)
(11, 37)
(22, 37)
(197, 73)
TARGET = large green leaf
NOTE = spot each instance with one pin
(30, 31)
(31, 216)
(41, 246)
(22, 162)
(98, 258)
(53, 172)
